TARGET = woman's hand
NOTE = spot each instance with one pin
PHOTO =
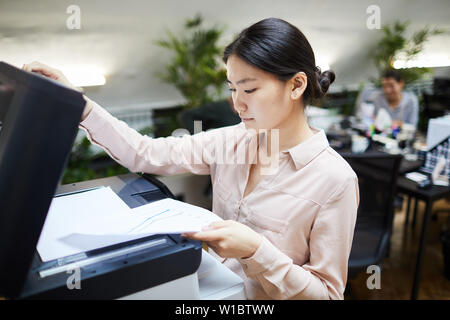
(49, 72)
(229, 239)
(56, 75)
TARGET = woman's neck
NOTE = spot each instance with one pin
(293, 131)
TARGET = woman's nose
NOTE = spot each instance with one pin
(241, 109)
(239, 105)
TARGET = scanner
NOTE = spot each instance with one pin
(38, 124)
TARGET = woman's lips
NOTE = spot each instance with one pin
(246, 119)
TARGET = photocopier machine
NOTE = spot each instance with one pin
(38, 124)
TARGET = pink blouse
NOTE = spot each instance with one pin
(305, 210)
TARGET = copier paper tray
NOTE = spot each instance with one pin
(117, 270)
(114, 271)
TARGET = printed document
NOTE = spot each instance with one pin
(94, 219)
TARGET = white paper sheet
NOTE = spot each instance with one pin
(416, 176)
(94, 219)
(163, 216)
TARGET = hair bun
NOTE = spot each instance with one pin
(326, 78)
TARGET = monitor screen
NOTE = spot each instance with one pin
(38, 123)
(441, 86)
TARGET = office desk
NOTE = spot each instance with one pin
(431, 195)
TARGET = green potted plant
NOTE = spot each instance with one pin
(194, 69)
(395, 44)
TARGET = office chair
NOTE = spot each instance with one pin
(377, 178)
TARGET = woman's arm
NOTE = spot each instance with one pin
(138, 153)
(325, 274)
(164, 156)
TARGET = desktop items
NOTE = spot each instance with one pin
(437, 160)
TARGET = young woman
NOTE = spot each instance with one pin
(289, 213)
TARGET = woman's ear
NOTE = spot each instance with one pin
(298, 84)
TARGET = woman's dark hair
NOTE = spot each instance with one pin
(392, 73)
(280, 48)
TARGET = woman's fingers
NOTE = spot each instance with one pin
(210, 235)
(214, 231)
(229, 238)
(56, 75)
(45, 70)
(216, 225)
(34, 66)
(49, 72)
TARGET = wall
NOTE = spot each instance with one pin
(119, 36)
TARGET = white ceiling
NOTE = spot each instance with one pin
(118, 36)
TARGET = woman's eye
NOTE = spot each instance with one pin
(246, 91)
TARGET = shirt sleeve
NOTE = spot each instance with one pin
(412, 111)
(324, 276)
(377, 104)
(139, 153)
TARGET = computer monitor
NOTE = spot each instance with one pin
(38, 124)
(441, 86)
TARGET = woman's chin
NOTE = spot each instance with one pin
(250, 123)
(249, 126)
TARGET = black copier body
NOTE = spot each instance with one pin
(38, 124)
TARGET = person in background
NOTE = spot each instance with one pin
(402, 106)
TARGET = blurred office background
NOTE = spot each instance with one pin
(115, 57)
(117, 38)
